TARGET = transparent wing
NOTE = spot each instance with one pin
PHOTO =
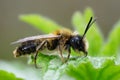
(47, 36)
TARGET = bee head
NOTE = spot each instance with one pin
(79, 43)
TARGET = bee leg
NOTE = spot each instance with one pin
(60, 50)
(69, 52)
(37, 49)
(85, 54)
(36, 54)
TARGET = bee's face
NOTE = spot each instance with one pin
(79, 44)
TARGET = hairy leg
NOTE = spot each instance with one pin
(37, 49)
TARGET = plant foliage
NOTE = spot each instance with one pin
(8, 76)
(101, 62)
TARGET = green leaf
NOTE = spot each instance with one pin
(86, 70)
(88, 13)
(47, 61)
(109, 71)
(4, 75)
(82, 72)
(80, 21)
(26, 72)
(113, 43)
(41, 23)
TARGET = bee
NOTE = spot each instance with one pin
(60, 40)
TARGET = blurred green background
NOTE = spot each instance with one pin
(61, 11)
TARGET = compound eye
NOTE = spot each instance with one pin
(75, 42)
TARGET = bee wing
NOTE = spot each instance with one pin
(47, 36)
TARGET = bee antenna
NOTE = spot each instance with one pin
(88, 26)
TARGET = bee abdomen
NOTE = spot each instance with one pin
(24, 50)
(28, 49)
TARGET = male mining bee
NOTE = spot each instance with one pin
(61, 40)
